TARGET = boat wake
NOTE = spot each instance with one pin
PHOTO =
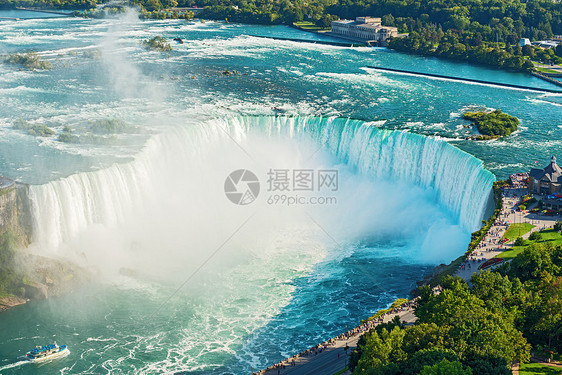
(12, 365)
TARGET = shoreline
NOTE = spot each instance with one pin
(334, 351)
(404, 310)
(486, 243)
(352, 42)
(8, 302)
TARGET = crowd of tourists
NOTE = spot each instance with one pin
(491, 242)
(357, 331)
(518, 180)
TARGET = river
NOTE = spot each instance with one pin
(145, 207)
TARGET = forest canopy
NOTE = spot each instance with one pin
(479, 329)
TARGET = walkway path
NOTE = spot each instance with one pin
(557, 68)
(331, 356)
(542, 361)
(490, 245)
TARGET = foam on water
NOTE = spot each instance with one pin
(66, 207)
(160, 214)
(281, 285)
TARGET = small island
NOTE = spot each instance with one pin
(39, 130)
(492, 125)
(157, 44)
(30, 60)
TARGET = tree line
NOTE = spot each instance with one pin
(480, 31)
(49, 4)
(480, 329)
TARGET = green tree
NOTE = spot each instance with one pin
(550, 311)
(487, 365)
(528, 51)
(382, 349)
(425, 358)
(535, 236)
(446, 368)
(534, 260)
(388, 20)
(475, 329)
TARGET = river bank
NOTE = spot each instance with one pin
(332, 355)
(303, 79)
(25, 276)
(486, 245)
(43, 278)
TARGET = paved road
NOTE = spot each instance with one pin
(557, 68)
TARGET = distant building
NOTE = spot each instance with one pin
(369, 29)
(545, 44)
(547, 180)
(524, 42)
(548, 44)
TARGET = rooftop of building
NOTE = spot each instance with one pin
(344, 21)
(359, 22)
(552, 172)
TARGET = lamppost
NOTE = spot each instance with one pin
(520, 223)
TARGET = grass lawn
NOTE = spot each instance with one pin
(396, 303)
(341, 371)
(516, 230)
(310, 26)
(538, 369)
(550, 235)
(547, 235)
(511, 253)
(546, 70)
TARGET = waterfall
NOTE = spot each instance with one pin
(65, 207)
(459, 179)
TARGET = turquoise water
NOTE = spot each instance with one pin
(281, 284)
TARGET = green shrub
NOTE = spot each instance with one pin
(519, 241)
(68, 137)
(535, 236)
(157, 44)
(39, 130)
(396, 303)
(528, 202)
(108, 126)
(29, 60)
